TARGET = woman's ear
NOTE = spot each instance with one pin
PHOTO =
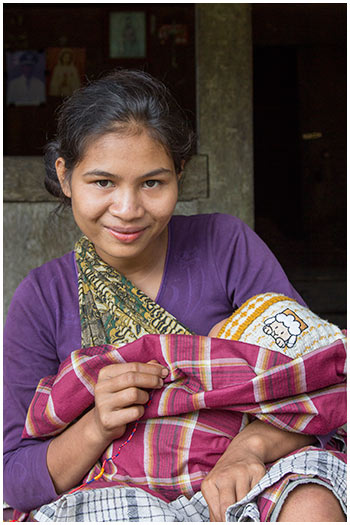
(61, 171)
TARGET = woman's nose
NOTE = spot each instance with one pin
(126, 204)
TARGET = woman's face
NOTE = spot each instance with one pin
(123, 194)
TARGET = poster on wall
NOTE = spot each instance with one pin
(127, 34)
(175, 33)
(25, 78)
(66, 66)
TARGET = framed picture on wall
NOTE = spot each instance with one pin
(66, 66)
(127, 34)
(25, 78)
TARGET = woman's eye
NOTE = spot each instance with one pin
(151, 183)
(104, 183)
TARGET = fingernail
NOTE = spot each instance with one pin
(160, 382)
(165, 372)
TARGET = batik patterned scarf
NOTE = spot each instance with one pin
(112, 309)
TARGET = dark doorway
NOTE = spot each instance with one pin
(300, 146)
(276, 144)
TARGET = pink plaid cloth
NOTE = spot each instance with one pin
(213, 388)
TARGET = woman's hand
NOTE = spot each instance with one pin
(243, 464)
(121, 393)
(233, 476)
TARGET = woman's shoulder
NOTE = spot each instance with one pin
(213, 220)
(44, 299)
(50, 280)
(56, 269)
(204, 228)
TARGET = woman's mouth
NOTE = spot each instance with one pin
(126, 236)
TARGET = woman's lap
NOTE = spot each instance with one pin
(263, 503)
(309, 465)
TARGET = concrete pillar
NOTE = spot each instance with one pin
(224, 106)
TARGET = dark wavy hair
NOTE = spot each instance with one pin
(115, 103)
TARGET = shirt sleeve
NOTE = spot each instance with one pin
(29, 355)
(325, 438)
(245, 265)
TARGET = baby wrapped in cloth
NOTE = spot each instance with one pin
(272, 359)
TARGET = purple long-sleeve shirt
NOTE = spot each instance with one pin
(214, 264)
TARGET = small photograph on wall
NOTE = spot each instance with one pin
(25, 78)
(66, 66)
(176, 33)
(127, 34)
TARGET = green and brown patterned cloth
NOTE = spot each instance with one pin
(112, 309)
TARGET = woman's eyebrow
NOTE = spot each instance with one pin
(157, 171)
(102, 173)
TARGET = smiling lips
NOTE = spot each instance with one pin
(126, 235)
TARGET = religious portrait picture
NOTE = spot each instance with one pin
(127, 34)
(66, 66)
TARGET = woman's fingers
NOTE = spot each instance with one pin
(114, 378)
(228, 483)
(243, 486)
(121, 417)
(123, 398)
(116, 370)
(214, 510)
(223, 494)
(219, 497)
(211, 495)
(129, 380)
(121, 392)
(227, 497)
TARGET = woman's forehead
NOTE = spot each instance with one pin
(117, 148)
(142, 142)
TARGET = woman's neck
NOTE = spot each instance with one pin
(146, 271)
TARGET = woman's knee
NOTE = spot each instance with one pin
(311, 502)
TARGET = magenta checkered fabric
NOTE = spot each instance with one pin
(213, 388)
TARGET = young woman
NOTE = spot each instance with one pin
(117, 160)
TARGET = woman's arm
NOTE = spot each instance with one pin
(243, 464)
(73, 453)
(36, 471)
(29, 355)
(120, 396)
